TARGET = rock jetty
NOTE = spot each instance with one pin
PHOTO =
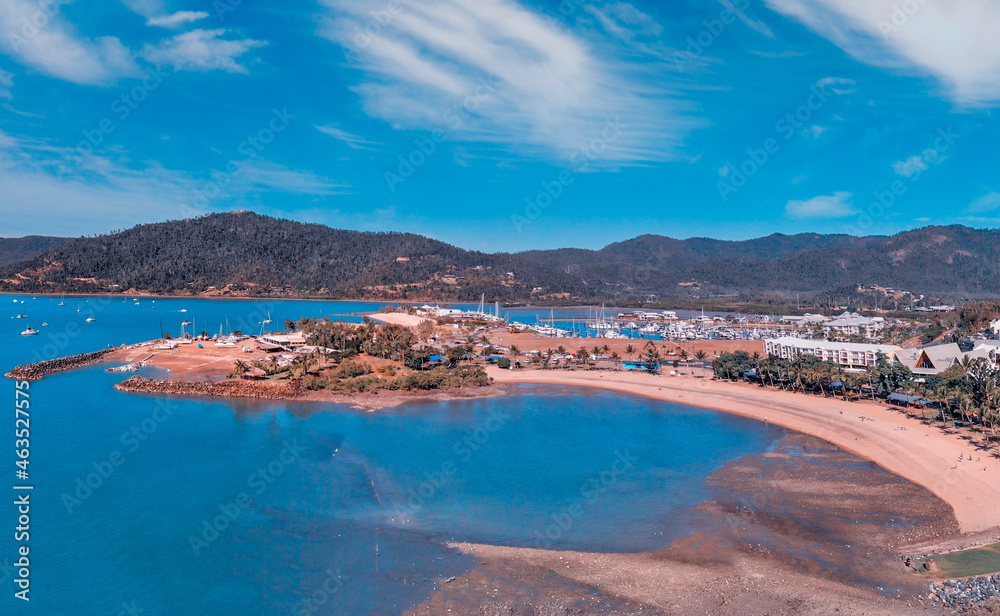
(224, 389)
(37, 370)
(967, 592)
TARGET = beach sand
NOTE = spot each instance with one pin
(805, 528)
(398, 318)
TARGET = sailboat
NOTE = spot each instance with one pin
(268, 319)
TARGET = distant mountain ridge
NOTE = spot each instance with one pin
(248, 254)
(17, 249)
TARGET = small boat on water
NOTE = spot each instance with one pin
(62, 303)
(45, 324)
(30, 332)
(91, 319)
(183, 310)
(21, 316)
(268, 319)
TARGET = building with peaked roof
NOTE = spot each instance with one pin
(846, 354)
(930, 360)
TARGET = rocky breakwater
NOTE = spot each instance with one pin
(967, 592)
(225, 389)
(37, 370)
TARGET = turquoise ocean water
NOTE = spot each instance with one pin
(180, 506)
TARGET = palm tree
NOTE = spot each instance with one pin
(630, 351)
(240, 368)
(515, 353)
(615, 357)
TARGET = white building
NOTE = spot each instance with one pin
(853, 324)
(846, 354)
(285, 341)
(938, 358)
(806, 320)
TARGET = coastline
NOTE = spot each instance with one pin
(901, 444)
(898, 442)
(824, 542)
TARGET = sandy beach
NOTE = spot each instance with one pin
(924, 455)
(397, 318)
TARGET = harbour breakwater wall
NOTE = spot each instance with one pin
(967, 592)
(222, 389)
(37, 370)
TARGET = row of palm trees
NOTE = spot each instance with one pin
(968, 391)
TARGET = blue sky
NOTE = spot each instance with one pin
(501, 124)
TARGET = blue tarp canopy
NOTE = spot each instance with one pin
(437, 358)
(906, 399)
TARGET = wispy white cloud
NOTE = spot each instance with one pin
(261, 176)
(837, 205)
(910, 167)
(494, 70)
(56, 184)
(156, 13)
(353, 141)
(987, 203)
(201, 50)
(774, 55)
(955, 41)
(57, 49)
(752, 22)
(624, 21)
(6, 83)
(177, 19)
(845, 85)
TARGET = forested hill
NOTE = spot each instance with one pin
(17, 249)
(248, 254)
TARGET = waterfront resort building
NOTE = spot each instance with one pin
(846, 354)
(853, 324)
